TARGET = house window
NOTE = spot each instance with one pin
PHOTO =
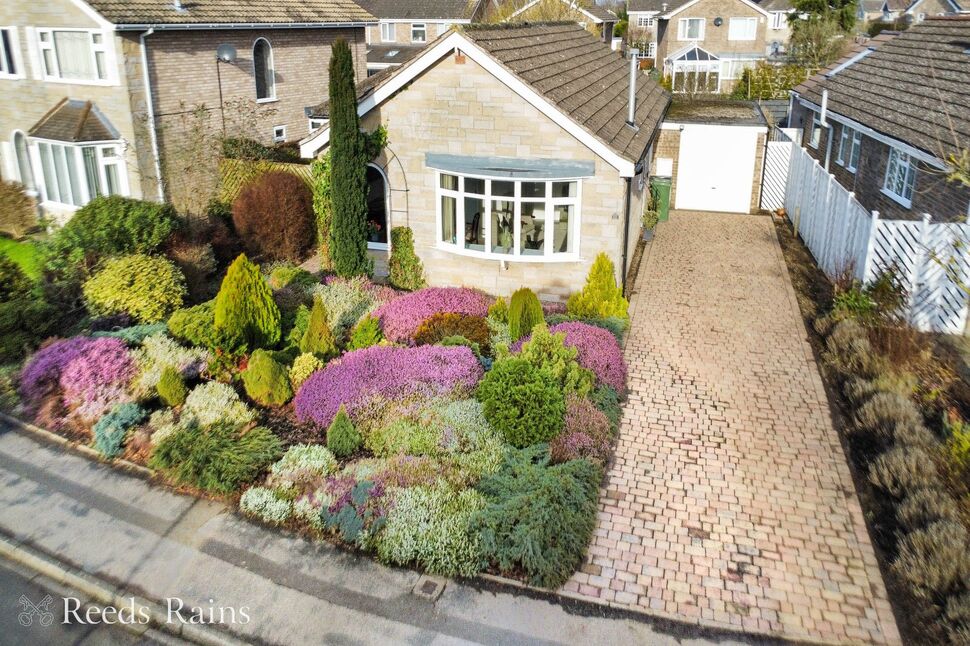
(419, 33)
(25, 170)
(9, 67)
(850, 144)
(742, 28)
(73, 54)
(779, 20)
(263, 70)
(690, 29)
(75, 174)
(900, 177)
(645, 22)
(376, 208)
(815, 132)
(387, 32)
(279, 134)
(651, 50)
(317, 123)
(509, 218)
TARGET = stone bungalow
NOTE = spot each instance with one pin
(510, 157)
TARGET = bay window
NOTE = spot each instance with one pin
(900, 177)
(74, 55)
(74, 175)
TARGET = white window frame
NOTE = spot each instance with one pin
(737, 24)
(547, 255)
(105, 47)
(279, 134)
(315, 124)
(271, 98)
(423, 28)
(815, 133)
(652, 49)
(645, 22)
(683, 28)
(388, 32)
(851, 138)
(900, 162)
(51, 194)
(18, 63)
(779, 20)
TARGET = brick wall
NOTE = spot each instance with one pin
(759, 167)
(668, 147)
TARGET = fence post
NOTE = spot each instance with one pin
(870, 247)
(916, 271)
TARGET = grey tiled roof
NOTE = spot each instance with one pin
(775, 5)
(163, 12)
(391, 54)
(598, 12)
(655, 5)
(914, 87)
(74, 121)
(419, 9)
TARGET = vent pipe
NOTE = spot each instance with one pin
(631, 119)
(825, 108)
(178, 5)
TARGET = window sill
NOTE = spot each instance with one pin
(483, 255)
(270, 100)
(12, 77)
(98, 82)
(897, 198)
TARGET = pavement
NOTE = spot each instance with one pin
(730, 501)
(145, 540)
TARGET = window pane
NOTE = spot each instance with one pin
(76, 193)
(856, 149)
(47, 166)
(60, 169)
(449, 182)
(376, 206)
(474, 223)
(533, 233)
(114, 181)
(6, 51)
(449, 209)
(503, 189)
(263, 70)
(91, 172)
(49, 67)
(476, 186)
(102, 68)
(564, 189)
(23, 160)
(74, 54)
(503, 236)
(562, 220)
(533, 189)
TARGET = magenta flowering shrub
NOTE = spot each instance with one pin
(401, 317)
(41, 375)
(386, 371)
(586, 434)
(98, 377)
(552, 308)
(599, 351)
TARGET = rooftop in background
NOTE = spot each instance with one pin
(438, 9)
(223, 12)
(391, 54)
(913, 87)
(74, 121)
(657, 5)
(720, 111)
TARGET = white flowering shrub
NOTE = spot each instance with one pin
(262, 503)
(302, 464)
(307, 511)
(160, 351)
(163, 423)
(347, 301)
(212, 402)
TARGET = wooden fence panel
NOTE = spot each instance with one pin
(236, 173)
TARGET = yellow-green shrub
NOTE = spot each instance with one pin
(601, 296)
(148, 288)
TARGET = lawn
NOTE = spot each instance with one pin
(25, 254)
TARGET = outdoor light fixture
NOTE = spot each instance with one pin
(718, 21)
(225, 53)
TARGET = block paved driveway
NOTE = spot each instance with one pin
(730, 501)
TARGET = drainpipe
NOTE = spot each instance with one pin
(626, 230)
(151, 113)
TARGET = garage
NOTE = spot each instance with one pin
(713, 152)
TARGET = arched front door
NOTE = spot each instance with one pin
(377, 207)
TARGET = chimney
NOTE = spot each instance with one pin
(663, 7)
(177, 5)
(631, 119)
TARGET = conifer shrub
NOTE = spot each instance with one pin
(284, 274)
(266, 381)
(25, 317)
(109, 432)
(171, 387)
(365, 334)
(525, 312)
(601, 297)
(499, 310)
(318, 338)
(273, 216)
(303, 366)
(343, 440)
(147, 288)
(195, 325)
(448, 324)
(405, 269)
(548, 352)
(245, 314)
(607, 401)
(524, 403)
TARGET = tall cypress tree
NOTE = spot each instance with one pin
(348, 169)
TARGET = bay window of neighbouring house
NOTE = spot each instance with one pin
(742, 28)
(504, 218)
(264, 71)
(900, 177)
(690, 29)
(76, 55)
(73, 175)
(850, 145)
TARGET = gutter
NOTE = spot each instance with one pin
(242, 25)
(151, 112)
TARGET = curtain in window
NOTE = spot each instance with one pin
(74, 54)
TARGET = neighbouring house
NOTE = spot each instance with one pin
(887, 120)
(586, 12)
(96, 93)
(406, 27)
(642, 25)
(705, 45)
(911, 11)
(779, 26)
(512, 156)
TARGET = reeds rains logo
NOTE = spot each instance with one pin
(40, 612)
(132, 612)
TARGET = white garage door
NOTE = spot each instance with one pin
(715, 168)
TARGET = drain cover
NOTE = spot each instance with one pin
(429, 587)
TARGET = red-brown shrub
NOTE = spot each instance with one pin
(274, 217)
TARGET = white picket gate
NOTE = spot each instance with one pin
(843, 236)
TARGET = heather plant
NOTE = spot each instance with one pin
(171, 387)
(196, 325)
(401, 317)
(365, 334)
(587, 433)
(212, 402)
(347, 300)
(162, 423)
(264, 504)
(525, 312)
(522, 402)
(303, 366)
(902, 470)
(109, 432)
(429, 527)
(405, 270)
(601, 296)
(440, 326)
(318, 338)
(548, 352)
(302, 465)
(617, 326)
(41, 375)
(159, 352)
(343, 440)
(245, 313)
(266, 381)
(355, 508)
(148, 288)
(388, 371)
(98, 378)
(597, 350)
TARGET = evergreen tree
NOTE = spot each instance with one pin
(318, 338)
(245, 313)
(348, 169)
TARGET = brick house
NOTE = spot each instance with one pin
(101, 86)
(510, 167)
(406, 27)
(886, 120)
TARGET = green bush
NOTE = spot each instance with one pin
(18, 215)
(343, 440)
(14, 283)
(935, 560)
(284, 274)
(147, 288)
(524, 403)
(958, 442)
(540, 518)
(195, 325)
(601, 296)
(606, 399)
(297, 328)
(218, 458)
(903, 470)
(25, 318)
(525, 312)
(171, 387)
(549, 353)
(109, 226)
(404, 266)
(499, 310)
(318, 338)
(266, 381)
(109, 432)
(303, 366)
(365, 334)
(245, 314)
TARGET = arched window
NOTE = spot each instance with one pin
(263, 69)
(376, 206)
(24, 168)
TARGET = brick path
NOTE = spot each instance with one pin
(730, 502)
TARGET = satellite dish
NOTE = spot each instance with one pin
(226, 53)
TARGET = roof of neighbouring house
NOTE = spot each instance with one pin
(913, 86)
(391, 54)
(421, 9)
(222, 12)
(775, 5)
(872, 6)
(656, 6)
(74, 121)
(718, 111)
(595, 12)
(573, 70)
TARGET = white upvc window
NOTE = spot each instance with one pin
(779, 20)
(279, 134)
(900, 177)
(388, 32)
(75, 174)
(509, 219)
(76, 56)
(645, 21)
(815, 131)
(11, 66)
(850, 145)
(742, 28)
(264, 71)
(690, 29)
(651, 50)
(315, 124)
(419, 32)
